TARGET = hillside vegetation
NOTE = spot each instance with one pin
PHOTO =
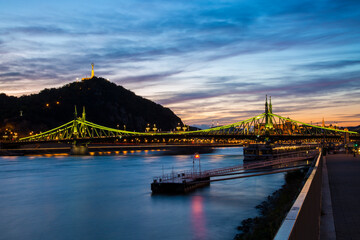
(106, 104)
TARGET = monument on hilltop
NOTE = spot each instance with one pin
(92, 73)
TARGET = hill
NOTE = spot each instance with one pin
(106, 104)
(355, 129)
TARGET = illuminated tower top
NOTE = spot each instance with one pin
(268, 112)
(266, 106)
(83, 114)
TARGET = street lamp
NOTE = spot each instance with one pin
(196, 157)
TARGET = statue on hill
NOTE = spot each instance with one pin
(92, 73)
(92, 70)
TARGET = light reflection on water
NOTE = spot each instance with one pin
(109, 197)
(198, 220)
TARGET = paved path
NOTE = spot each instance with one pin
(344, 181)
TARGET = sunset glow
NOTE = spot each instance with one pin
(211, 62)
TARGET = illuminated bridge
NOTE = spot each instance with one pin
(266, 126)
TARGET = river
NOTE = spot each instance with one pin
(109, 197)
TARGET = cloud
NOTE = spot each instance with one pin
(330, 65)
(36, 30)
(225, 52)
(10, 74)
(312, 85)
(156, 77)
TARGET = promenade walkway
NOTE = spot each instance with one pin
(344, 181)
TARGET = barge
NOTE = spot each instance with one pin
(158, 186)
(267, 152)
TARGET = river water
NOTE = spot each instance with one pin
(109, 197)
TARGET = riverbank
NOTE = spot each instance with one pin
(94, 149)
(273, 209)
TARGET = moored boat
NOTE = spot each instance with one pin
(267, 152)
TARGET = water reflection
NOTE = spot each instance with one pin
(198, 220)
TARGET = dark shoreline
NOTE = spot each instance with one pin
(60, 148)
(273, 210)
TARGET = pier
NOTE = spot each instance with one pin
(185, 181)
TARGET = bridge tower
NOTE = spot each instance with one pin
(78, 148)
(83, 114)
(75, 127)
(75, 113)
(270, 117)
(268, 111)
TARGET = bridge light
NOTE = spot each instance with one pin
(47, 105)
(57, 102)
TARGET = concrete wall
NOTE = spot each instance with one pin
(303, 219)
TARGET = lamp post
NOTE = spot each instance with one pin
(196, 157)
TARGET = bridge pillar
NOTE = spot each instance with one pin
(79, 149)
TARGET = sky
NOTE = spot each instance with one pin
(211, 62)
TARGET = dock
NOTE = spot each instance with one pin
(186, 181)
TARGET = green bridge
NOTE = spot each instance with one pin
(264, 126)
